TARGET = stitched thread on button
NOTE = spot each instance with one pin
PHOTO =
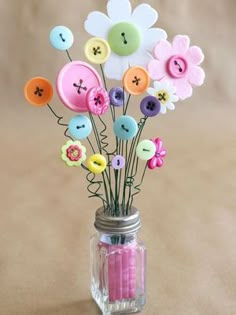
(80, 86)
(179, 67)
(38, 91)
(124, 38)
(79, 127)
(97, 100)
(123, 127)
(136, 80)
(151, 106)
(97, 50)
(63, 39)
(162, 96)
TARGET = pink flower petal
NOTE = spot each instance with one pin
(196, 75)
(152, 163)
(195, 55)
(162, 51)
(159, 162)
(163, 152)
(183, 88)
(180, 44)
(157, 69)
(159, 144)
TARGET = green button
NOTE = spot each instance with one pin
(145, 150)
(124, 39)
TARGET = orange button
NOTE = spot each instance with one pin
(136, 80)
(38, 91)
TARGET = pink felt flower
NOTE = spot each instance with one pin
(157, 159)
(178, 63)
(98, 101)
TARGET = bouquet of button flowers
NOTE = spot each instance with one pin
(131, 51)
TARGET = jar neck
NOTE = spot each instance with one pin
(117, 239)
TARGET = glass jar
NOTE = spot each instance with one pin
(118, 264)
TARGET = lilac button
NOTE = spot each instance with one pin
(150, 106)
(118, 162)
(117, 96)
(177, 66)
(74, 81)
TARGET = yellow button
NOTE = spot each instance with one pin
(136, 80)
(38, 91)
(97, 50)
(96, 163)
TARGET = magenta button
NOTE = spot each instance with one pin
(74, 81)
(177, 66)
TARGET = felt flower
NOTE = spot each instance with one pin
(128, 33)
(165, 93)
(157, 159)
(179, 63)
(98, 101)
(73, 153)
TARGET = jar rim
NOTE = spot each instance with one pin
(121, 225)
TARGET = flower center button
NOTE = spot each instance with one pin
(177, 66)
(124, 39)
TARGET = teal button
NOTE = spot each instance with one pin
(145, 150)
(61, 38)
(80, 127)
(124, 39)
(125, 127)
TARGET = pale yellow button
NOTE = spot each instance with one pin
(97, 50)
(96, 163)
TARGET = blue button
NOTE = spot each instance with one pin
(80, 127)
(125, 127)
(61, 38)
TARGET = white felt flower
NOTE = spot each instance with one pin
(128, 33)
(165, 92)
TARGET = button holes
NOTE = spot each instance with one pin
(124, 38)
(136, 80)
(38, 91)
(162, 96)
(80, 86)
(79, 127)
(62, 38)
(178, 65)
(124, 128)
(151, 105)
(97, 50)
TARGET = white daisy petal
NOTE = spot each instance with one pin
(115, 67)
(152, 36)
(151, 91)
(163, 109)
(170, 106)
(157, 85)
(140, 58)
(97, 24)
(119, 10)
(174, 98)
(144, 16)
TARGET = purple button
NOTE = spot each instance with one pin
(74, 81)
(150, 106)
(177, 66)
(117, 96)
(118, 162)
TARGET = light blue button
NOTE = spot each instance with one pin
(125, 127)
(61, 38)
(80, 127)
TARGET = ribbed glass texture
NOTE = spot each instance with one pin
(118, 264)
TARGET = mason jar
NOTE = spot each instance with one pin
(118, 263)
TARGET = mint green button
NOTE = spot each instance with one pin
(145, 150)
(124, 39)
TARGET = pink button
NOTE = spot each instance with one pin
(177, 66)
(74, 81)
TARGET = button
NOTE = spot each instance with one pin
(125, 127)
(80, 127)
(38, 91)
(96, 163)
(124, 39)
(177, 66)
(61, 38)
(150, 106)
(73, 153)
(97, 50)
(145, 150)
(98, 101)
(160, 153)
(74, 81)
(118, 162)
(117, 96)
(136, 80)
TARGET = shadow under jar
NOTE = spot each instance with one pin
(118, 263)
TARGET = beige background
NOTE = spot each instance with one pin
(188, 208)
